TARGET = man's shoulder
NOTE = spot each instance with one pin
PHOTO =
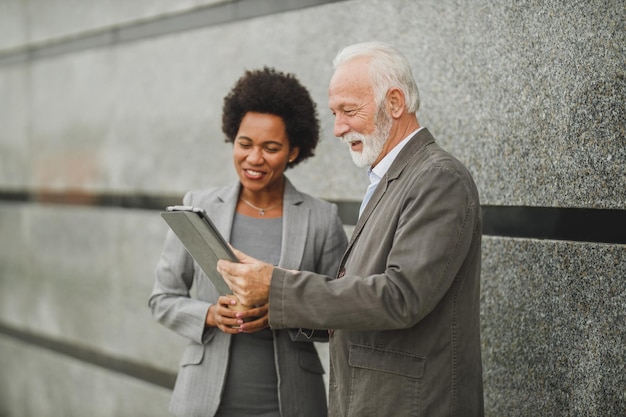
(432, 155)
(432, 165)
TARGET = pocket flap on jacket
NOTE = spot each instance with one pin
(192, 355)
(399, 363)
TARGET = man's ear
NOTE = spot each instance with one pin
(395, 99)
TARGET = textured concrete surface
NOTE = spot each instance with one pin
(39, 21)
(539, 83)
(553, 322)
(82, 275)
(46, 384)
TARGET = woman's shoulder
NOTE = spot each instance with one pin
(316, 203)
(300, 197)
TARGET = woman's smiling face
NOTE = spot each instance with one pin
(261, 152)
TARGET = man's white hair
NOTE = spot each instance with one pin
(388, 68)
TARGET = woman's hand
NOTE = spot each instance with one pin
(221, 316)
(254, 319)
(231, 317)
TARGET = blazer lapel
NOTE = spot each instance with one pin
(358, 228)
(419, 140)
(221, 210)
(295, 225)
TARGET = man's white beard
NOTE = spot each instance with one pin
(373, 143)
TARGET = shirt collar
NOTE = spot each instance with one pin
(381, 168)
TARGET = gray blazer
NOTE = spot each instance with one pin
(313, 239)
(406, 304)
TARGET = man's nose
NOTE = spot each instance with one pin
(340, 127)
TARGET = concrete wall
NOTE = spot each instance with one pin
(108, 109)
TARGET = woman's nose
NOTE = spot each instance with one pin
(255, 156)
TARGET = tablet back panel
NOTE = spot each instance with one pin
(202, 243)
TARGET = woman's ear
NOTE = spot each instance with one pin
(293, 154)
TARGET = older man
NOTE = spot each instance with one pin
(405, 303)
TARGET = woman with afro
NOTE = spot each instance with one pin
(234, 364)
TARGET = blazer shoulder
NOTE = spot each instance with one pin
(297, 197)
(204, 197)
(317, 204)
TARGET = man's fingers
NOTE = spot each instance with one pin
(226, 267)
(223, 267)
(239, 254)
(229, 271)
(243, 258)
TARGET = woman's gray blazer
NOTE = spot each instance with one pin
(313, 239)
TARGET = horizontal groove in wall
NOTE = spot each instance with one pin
(127, 367)
(85, 198)
(200, 17)
(555, 223)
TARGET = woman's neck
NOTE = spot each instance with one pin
(262, 203)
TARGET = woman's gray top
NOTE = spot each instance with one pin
(251, 387)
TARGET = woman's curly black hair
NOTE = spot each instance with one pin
(273, 92)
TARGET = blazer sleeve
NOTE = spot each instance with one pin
(397, 271)
(170, 301)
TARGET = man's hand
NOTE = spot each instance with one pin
(249, 280)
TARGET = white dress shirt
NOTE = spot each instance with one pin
(377, 172)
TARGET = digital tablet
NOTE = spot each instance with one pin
(202, 240)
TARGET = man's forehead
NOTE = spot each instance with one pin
(350, 80)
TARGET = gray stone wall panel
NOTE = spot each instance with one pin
(84, 276)
(553, 325)
(39, 21)
(12, 24)
(15, 151)
(540, 85)
(36, 382)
